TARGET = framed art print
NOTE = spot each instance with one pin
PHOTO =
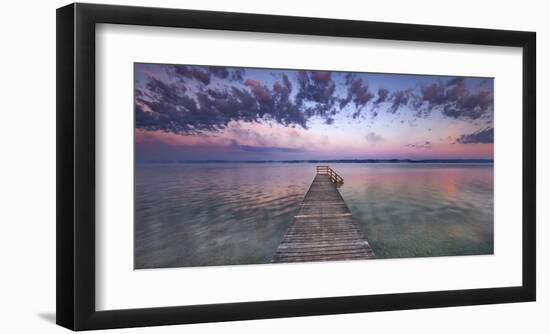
(223, 166)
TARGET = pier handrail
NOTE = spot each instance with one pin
(334, 177)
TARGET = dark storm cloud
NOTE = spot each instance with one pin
(455, 81)
(167, 107)
(237, 74)
(261, 92)
(471, 106)
(170, 107)
(316, 86)
(206, 98)
(484, 136)
(434, 94)
(400, 98)
(159, 89)
(219, 71)
(144, 119)
(358, 93)
(204, 74)
(455, 99)
(383, 94)
(316, 93)
(192, 72)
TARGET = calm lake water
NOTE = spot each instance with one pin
(219, 214)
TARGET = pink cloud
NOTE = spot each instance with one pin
(327, 145)
(265, 134)
(258, 89)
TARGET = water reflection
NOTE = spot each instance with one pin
(426, 210)
(216, 214)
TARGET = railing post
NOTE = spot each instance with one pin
(326, 170)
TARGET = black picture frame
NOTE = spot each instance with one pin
(76, 166)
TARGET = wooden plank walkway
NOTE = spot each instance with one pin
(323, 229)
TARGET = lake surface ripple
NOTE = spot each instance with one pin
(219, 214)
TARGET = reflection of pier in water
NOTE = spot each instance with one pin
(323, 229)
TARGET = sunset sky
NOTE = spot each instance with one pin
(223, 113)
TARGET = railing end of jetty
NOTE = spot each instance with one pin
(334, 177)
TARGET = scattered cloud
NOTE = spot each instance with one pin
(383, 94)
(456, 100)
(426, 144)
(199, 73)
(359, 93)
(400, 98)
(484, 136)
(372, 137)
(315, 86)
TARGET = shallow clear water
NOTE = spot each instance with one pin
(217, 214)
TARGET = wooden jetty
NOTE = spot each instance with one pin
(323, 229)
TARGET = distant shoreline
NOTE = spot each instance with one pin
(336, 161)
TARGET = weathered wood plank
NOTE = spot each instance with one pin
(323, 229)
